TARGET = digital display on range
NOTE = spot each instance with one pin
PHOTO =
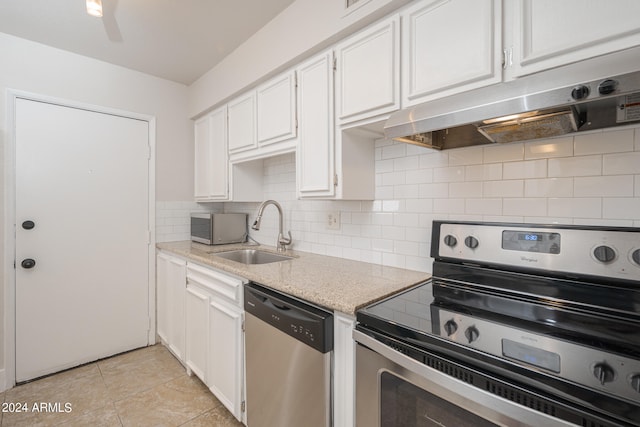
(531, 237)
(531, 355)
(530, 241)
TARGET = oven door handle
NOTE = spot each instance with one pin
(486, 405)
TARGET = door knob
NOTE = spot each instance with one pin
(28, 225)
(28, 263)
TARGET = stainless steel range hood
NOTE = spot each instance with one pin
(517, 111)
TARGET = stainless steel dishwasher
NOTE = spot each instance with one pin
(288, 345)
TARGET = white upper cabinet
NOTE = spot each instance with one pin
(242, 123)
(367, 72)
(211, 158)
(277, 109)
(550, 33)
(450, 46)
(315, 155)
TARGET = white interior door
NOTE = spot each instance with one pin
(82, 178)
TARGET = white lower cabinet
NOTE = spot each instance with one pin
(214, 343)
(225, 374)
(344, 370)
(171, 280)
(197, 301)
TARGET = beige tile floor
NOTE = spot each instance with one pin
(146, 387)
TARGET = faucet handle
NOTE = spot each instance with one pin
(284, 241)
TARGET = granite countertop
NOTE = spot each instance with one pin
(335, 283)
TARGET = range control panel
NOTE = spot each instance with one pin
(610, 373)
(593, 251)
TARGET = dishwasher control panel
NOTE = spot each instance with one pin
(299, 319)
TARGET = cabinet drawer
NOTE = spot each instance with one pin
(222, 284)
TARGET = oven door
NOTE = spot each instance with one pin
(395, 390)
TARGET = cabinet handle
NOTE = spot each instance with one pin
(504, 59)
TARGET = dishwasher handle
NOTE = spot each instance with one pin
(298, 319)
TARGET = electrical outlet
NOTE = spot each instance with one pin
(333, 220)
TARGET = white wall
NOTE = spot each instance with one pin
(35, 68)
(306, 26)
(590, 179)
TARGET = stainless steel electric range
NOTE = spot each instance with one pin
(521, 325)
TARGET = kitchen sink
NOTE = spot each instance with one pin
(252, 256)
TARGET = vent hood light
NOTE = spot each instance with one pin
(94, 8)
(510, 117)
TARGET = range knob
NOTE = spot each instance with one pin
(603, 372)
(635, 256)
(471, 242)
(472, 334)
(450, 327)
(450, 240)
(604, 253)
(635, 383)
(607, 86)
(580, 92)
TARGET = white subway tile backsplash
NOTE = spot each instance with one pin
(394, 151)
(383, 166)
(406, 191)
(621, 208)
(557, 147)
(406, 163)
(549, 187)
(465, 189)
(605, 186)
(513, 188)
(393, 178)
(623, 163)
(449, 206)
(504, 153)
(419, 176)
(575, 166)
(406, 219)
(584, 207)
(434, 159)
(419, 205)
(540, 181)
(525, 169)
(488, 172)
(529, 206)
(604, 142)
(465, 156)
(431, 191)
(483, 206)
(450, 174)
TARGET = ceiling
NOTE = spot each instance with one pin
(178, 40)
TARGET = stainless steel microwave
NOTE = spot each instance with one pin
(218, 228)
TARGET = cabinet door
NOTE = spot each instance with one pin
(276, 102)
(549, 33)
(177, 279)
(242, 123)
(315, 155)
(197, 322)
(211, 157)
(162, 292)
(171, 283)
(449, 46)
(368, 65)
(225, 373)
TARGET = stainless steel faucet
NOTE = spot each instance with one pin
(282, 241)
